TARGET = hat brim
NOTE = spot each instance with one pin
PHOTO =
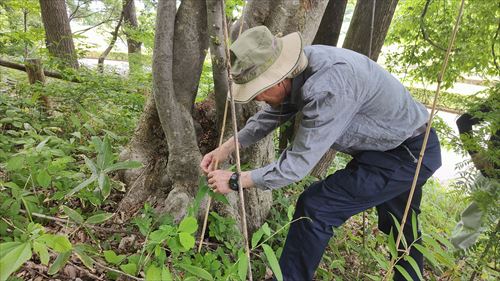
(286, 62)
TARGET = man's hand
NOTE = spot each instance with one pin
(218, 156)
(218, 180)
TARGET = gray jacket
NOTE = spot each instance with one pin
(349, 103)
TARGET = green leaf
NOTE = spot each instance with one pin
(43, 178)
(189, 225)
(427, 254)
(7, 247)
(15, 163)
(104, 185)
(256, 237)
(373, 277)
(414, 225)
(266, 229)
(130, 268)
(82, 185)
(86, 260)
(72, 214)
(200, 272)
(403, 272)
(219, 197)
(154, 273)
(123, 166)
(104, 152)
(187, 240)
(398, 227)
(13, 259)
(111, 257)
(58, 243)
(273, 262)
(414, 265)
(91, 165)
(99, 218)
(42, 252)
(290, 211)
(242, 265)
(42, 144)
(59, 263)
(392, 244)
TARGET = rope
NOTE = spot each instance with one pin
(426, 137)
(235, 131)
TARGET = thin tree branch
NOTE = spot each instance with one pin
(92, 27)
(495, 38)
(424, 31)
(75, 11)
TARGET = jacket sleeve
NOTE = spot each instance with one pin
(325, 117)
(264, 122)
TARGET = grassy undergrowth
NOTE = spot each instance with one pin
(45, 156)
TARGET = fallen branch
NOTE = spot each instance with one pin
(47, 73)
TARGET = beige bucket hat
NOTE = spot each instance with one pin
(261, 60)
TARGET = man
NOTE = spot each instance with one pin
(348, 103)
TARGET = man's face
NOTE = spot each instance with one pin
(275, 95)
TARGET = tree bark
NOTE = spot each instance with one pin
(59, 39)
(134, 46)
(34, 70)
(218, 57)
(170, 177)
(331, 23)
(358, 34)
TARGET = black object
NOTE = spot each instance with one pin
(234, 182)
(465, 125)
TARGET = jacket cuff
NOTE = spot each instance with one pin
(258, 179)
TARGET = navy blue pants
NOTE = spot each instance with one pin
(380, 179)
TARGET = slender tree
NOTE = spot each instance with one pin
(358, 34)
(134, 46)
(59, 39)
(165, 139)
(331, 23)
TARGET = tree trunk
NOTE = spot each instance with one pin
(218, 57)
(34, 70)
(59, 39)
(358, 35)
(331, 23)
(134, 46)
(165, 139)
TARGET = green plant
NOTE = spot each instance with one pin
(100, 169)
(13, 254)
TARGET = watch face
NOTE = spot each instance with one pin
(233, 182)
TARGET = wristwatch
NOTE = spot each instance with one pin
(234, 181)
